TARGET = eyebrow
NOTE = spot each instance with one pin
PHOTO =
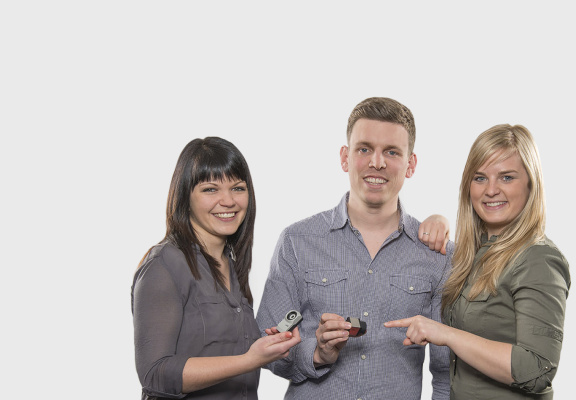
(512, 171)
(216, 182)
(368, 144)
(364, 144)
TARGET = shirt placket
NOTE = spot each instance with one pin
(366, 308)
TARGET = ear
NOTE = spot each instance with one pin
(344, 158)
(412, 161)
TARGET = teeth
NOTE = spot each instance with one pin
(225, 215)
(374, 180)
(497, 203)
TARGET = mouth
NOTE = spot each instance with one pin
(226, 215)
(495, 203)
(374, 180)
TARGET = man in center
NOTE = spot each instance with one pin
(361, 259)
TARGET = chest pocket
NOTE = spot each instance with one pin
(326, 289)
(251, 330)
(471, 313)
(221, 321)
(409, 296)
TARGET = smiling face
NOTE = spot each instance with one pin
(499, 191)
(218, 208)
(377, 160)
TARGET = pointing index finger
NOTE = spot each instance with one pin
(399, 323)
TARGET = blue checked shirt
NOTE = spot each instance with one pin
(322, 265)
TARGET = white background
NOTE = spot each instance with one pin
(98, 99)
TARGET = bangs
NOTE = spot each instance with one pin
(217, 166)
(500, 154)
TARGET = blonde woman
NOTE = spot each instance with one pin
(504, 302)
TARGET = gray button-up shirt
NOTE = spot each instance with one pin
(322, 265)
(177, 317)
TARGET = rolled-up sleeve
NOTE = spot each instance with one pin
(540, 289)
(158, 312)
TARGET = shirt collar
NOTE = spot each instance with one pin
(485, 241)
(340, 218)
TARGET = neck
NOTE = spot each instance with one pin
(213, 246)
(373, 217)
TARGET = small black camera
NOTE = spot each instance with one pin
(290, 321)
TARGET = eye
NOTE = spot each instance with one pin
(507, 178)
(479, 179)
(240, 188)
(208, 190)
(363, 150)
(393, 152)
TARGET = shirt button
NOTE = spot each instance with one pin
(365, 313)
(239, 309)
(370, 271)
(363, 357)
(324, 280)
(411, 288)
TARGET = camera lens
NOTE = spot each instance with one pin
(291, 315)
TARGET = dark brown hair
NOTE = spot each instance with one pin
(202, 160)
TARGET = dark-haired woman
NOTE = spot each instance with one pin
(194, 328)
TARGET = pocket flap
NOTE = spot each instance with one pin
(325, 277)
(411, 284)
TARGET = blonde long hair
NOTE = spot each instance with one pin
(526, 229)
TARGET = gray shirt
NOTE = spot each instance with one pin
(177, 317)
(528, 312)
(321, 265)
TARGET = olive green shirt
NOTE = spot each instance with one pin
(527, 312)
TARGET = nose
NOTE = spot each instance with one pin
(377, 161)
(227, 199)
(492, 189)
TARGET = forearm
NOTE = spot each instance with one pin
(492, 358)
(203, 372)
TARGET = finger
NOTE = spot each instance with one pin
(446, 240)
(335, 342)
(278, 338)
(335, 326)
(399, 323)
(330, 317)
(432, 240)
(441, 241)
(296, 334)
(329, 340)
(272, 331)
(409, 342)
(423, 234)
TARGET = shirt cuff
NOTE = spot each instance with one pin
(531, 372)
(305, 360)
